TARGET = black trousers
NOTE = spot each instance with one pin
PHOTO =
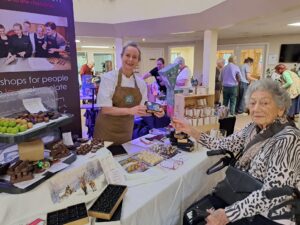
(213, 201)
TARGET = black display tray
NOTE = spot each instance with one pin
(35, 131)
(7, 187)
(75, 214)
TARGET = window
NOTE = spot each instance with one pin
(81, 59)
(101, 60)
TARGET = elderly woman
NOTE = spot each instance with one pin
(270, 153)
(183, 80)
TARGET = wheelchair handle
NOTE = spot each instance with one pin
(219, 152)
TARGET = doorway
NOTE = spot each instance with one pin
(148, 62)
(257, 52)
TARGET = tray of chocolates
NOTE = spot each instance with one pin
(22, 127)
(150, 158)
(108, 201)
(20, 171)
(96, 144)
(166, 151)
(73, 215)
(58, 150)
(84, 149)
(181, 141)
(132, 165)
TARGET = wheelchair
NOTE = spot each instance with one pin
(195, 214)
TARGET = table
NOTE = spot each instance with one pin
(161, 199)
(164, 201)
(21, 209)
(34, 64)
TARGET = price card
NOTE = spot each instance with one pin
(67, 139)
(34, 105)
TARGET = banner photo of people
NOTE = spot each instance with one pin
(37, 49)
(33, 42)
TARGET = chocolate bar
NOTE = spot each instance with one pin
(20, 171)
(107, 203)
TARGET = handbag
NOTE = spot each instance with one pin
(236, 186)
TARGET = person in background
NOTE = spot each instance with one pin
(3, 42)
(291, 82)
(55, 43)
(160, 63)
(27, 32)
(245, 78)
(218, 80)
(270, 152)
(39, 39)
(230, 77)
(121, 96)
(19, 44)
(183, 80)
(87, 69)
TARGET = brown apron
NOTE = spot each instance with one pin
(118, 129)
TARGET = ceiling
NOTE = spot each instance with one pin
(232, 19)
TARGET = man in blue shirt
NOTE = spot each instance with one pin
(230, 77)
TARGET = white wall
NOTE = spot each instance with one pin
(7, 20)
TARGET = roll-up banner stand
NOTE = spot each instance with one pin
(38, 49)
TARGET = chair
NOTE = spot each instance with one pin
(227, 124)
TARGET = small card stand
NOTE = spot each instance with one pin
(108, 202)
(73, 215)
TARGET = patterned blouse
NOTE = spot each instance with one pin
(276, 164)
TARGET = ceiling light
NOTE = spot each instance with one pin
(94, 46)
(185, 32)
(77, 41)
(294, 24)
(143, 39)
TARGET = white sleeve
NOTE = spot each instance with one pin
(106, 90)
(184, 74)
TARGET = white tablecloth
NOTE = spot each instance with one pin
(20, 209)
(160, 199)
(163, 202)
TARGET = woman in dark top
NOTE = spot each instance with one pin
(39, 39)
(3, 42)
(160, 63)
(19, 44)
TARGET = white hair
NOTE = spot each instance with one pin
(179, 60)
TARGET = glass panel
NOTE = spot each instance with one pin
(224, 54)
(81, 59)
(103, 62)
(174, 55)
(257, 55)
